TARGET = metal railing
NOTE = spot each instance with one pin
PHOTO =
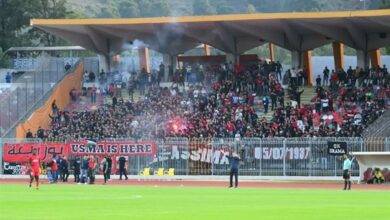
(259, 157)
(380, 128)
(32, 89)
(18, 97)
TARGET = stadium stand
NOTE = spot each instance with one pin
(225, 101)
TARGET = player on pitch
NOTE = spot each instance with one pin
(33, 164)
(347, 172)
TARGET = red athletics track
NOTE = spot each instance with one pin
(205, 183)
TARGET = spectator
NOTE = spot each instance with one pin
(86, 76)
(109, 166)
(53, 169)
(326, 76)
(8, 78)
(318, 81)
(91, 76)
(122, 167)
(102, 76)
(64, 169)
(40, 132)
(91, 170)
(222, 107)
(84, 170)
(103, 166)
(67, 67)
(279, 69)
(59, 173)
(378, 176)
(29, 134)
(93, 94)
(265, 103)
(54, 107)
(76, 169)
(161, 73)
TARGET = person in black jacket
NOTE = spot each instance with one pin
(76, 167)
(122, 167)
(234, 161)
(104, 167)
(65, 170)
(109, 165)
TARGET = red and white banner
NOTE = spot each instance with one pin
(20, 152)
(113, 148)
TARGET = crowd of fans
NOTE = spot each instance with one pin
(219, 101)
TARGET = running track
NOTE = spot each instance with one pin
(205, 183)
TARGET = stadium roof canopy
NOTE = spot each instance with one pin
(362, 30)
(60, 48)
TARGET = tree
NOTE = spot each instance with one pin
(128, 9)
(251, 9)
(223, 7)
(14, 15)
(4, 59)
(110, 11)
(153, 8)
(203, 7)
(384, 4)
(47, 9)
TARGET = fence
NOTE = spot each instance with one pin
(40, 117)
(380, 127)
(16, 98)
(259, 157)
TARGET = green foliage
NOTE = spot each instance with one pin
(13, 15)
(110, 11)
(4, 59)
(15, 18)
(251, 9)
(129, 9)
(16, 14)
(47, 9)
(384, 4)
(153, 8)
(203, 7)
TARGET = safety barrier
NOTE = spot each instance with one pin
(259, 157)
(60, 94)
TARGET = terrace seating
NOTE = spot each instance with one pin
(145, 172)
(159, 172)
(170, 172)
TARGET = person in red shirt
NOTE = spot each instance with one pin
(53, 169)
(34, 163)
(91, 169)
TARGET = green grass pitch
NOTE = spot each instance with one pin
(130, 202)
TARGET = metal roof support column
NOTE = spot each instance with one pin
(236, 55)
(206, 50)
(143, 54)
(375, 56)
(338, 54)
(271, 51)
(307, 66)
(108, 44)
